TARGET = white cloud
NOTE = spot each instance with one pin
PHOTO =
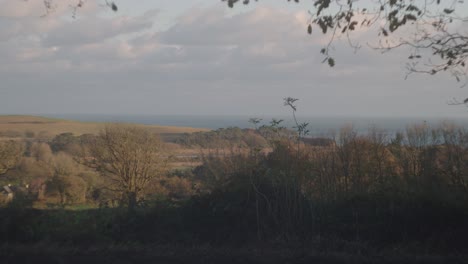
(95, 29)
(213, 27)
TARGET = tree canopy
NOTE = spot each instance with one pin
(10, 153)
(434, 29)
(130, 157)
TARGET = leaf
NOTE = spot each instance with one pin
(393, 25)
(114, 7)
(322, 4)
(410, 17)
(412, 8)
(448, 11)
(309, 29)
(384, 32)
(323, 51)
(331, 62)
(392, 14)
(322, 25)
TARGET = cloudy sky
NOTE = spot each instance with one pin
(199, 57)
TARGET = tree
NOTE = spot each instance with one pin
(130, 157)
(10, 153)
(64, 181)
(50, 5)
(433, 29)
(63, 141)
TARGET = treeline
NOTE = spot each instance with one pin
(50, 173)
(379, 188)
(223, 138)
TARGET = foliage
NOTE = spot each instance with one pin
(362, 187)
(432, 29)
(223, 138)
(64, 182)
(362, 192)
(62, 142)
(10, 154)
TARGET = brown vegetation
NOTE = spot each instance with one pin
(13, 126)
(130, 157)
(363, 192)
(10, 153)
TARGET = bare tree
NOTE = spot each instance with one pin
(51, 5)
(130, 157)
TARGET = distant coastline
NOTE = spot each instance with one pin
(318, 126)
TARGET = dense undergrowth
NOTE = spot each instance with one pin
(359, 225)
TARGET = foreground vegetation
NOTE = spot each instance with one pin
(402, 195)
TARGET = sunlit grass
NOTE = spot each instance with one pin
(13, 126)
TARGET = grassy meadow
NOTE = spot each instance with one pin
(14, 126)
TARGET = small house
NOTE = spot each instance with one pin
(7, 193)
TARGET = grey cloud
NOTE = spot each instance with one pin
(94, 29)
(212, 27)
(209, 62)
(8, 29)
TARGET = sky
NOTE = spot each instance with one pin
(189, 57)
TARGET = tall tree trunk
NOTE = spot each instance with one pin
(131, 202)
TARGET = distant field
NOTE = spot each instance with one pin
(13, 126)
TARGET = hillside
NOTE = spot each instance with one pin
(14, 126)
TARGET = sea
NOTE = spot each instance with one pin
(317, 125)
